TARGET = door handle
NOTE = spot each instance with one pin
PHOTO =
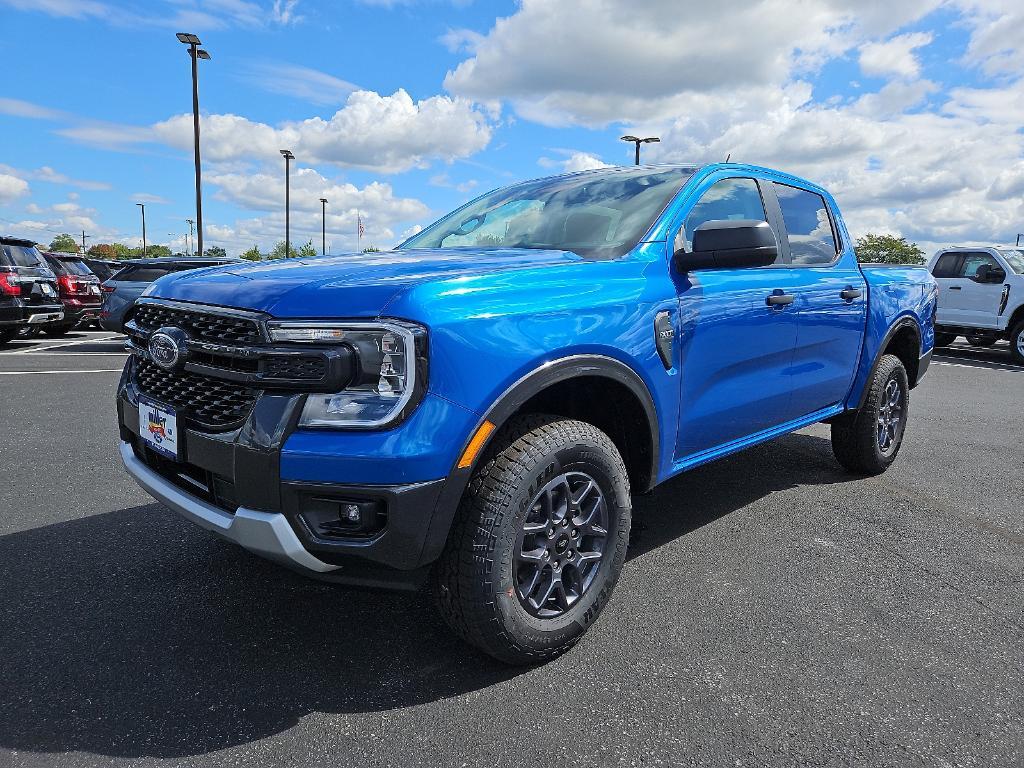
(954, 288)
(779, 299)
(850, 293)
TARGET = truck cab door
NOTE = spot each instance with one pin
(980, 278)
(831, 300)
(735, 347)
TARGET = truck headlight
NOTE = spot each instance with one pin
(389, 371)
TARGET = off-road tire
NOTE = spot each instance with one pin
(943, 339)
(855, 436)
(1017, 343)
(473, 582)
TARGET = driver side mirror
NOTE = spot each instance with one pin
(729, 244)
(986, 273)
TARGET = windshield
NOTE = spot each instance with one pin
(596, 214)
(21, 256)
(1015, 259)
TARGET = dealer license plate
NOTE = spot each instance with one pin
(47, 289)
(158, 427)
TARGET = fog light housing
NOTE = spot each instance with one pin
(340, 518)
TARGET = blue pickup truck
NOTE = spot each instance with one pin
(474, 409)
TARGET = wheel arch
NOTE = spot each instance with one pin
(903, 339)
(594, 388)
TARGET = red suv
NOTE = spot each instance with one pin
(79, 291)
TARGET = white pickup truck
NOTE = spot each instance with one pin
(981, 296)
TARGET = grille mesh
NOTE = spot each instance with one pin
(312, 368)
(219, 329)
(209, 401)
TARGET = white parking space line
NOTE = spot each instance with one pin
(980, 364)
(33, 373)
(63, 344)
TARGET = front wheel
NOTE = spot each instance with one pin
(944, 339)
(1017, 343)
(538, 542)
(867, 441)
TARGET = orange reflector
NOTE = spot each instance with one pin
(469, 455)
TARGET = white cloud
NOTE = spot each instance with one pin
(19, 108)
(388, 134)
(148, 199)
(894, 56)
(583, 161)
(171, 14)
(11, 187)
(583, 73)
(298, 82)
(444, 181)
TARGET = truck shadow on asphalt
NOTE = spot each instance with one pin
(133, 633)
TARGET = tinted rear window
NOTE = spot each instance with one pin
(21, 256)
(946, 265)
(141, 274)
(76, 267)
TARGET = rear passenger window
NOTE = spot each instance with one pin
(946, 265)
(811, 239)
(727, 199)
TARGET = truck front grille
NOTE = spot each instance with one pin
(211, 402)
(206, 326)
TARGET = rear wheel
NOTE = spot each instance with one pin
(944, 339)
(6, 334)
(538, 542)
(981, 341)
(57, 330)
(867, 441)
(1017, 343)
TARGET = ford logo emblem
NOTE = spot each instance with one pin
(168, 348)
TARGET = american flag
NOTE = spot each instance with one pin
(359, 225)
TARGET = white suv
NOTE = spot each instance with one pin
(981, 296)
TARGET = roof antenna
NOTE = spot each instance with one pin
(728, 156)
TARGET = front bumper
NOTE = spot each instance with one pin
(244, 485)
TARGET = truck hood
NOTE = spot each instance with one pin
(350, 285)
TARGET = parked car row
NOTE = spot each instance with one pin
(53, 293)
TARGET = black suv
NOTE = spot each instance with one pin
(28, 288)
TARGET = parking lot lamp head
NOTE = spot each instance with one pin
(638, 141)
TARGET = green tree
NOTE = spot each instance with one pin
(216, 252)
(122, 251)
(156, 251)
(64, 243)
(278, 251)
(253, 254)
(371, 249)
(306, 250)
(887, 249)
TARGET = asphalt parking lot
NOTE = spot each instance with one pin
(774, 611)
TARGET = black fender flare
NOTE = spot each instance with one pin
(899, 325)
(510, 401)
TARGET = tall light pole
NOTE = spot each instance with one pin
(143, 207)
(288, 157)
(638, 141)
(323, 225)
(196, 53)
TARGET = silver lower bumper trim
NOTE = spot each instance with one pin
(45, 317)
(267, 534)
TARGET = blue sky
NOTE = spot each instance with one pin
(909, 111)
